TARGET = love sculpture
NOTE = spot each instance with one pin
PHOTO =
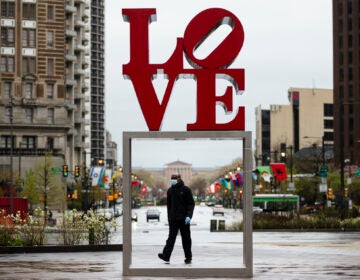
(205, 71)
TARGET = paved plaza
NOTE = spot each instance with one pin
(277, 255)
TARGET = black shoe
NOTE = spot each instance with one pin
(161, 256)
(187, 261)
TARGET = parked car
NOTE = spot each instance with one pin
(107, 213)
(257, 210)
(211, 204)
(153, 214)
(218, 209)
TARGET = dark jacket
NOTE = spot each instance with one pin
(180, 202)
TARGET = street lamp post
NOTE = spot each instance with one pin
(11, 156)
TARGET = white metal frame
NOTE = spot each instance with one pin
(245, 269)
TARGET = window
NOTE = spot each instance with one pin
(29, 11)
(328, 124)
(350, 74)
(350, 89)
(350, 58)
(50, 91)
(7, 9)
(50, 116)
(28, 39)
(50, 12)
(28, 142)
(50, 66)
(349, 24)
(5, 142)
(7, 36)
(50, 143)
(7, 64)
(28, 90)
(328, 110)
(50, 39)
(29, 115)
(7, 115)
(350, 41)
(28, 65)
(7, 89)
(341, 43)
(328, 136)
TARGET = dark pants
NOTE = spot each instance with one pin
(174, 227)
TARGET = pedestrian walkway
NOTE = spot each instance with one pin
(276, 256)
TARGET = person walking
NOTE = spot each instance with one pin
(180, 208)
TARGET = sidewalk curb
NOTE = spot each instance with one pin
(59, 249)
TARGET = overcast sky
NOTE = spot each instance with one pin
(288, 43)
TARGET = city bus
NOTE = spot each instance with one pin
(277, 202)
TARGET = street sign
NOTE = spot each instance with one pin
(323, 187)
(357, 173)
(324, 167)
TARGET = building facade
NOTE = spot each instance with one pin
(346, 59)
(178, 167)
(34, 108)
(304, 122)
(52, 82)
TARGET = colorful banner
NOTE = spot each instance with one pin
(105, 178)
(265, 172)
(279, 171)
(95, 175)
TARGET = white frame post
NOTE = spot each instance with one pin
(244, 270)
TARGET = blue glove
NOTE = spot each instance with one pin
(187, 221)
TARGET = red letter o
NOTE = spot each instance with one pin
(201, 26)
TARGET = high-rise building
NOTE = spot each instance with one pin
(346, 48)
(35, 111)
(52, 82)
(98, 133)
(307, 121)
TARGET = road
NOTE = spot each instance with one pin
(277, 255)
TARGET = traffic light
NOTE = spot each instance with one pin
(330, 194)
(69, 193)
(77, 170)
(346, 192)
(283, 152)
(65, 170)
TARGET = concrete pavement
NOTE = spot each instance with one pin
(277, 255)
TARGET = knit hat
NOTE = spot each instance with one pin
(176, 176)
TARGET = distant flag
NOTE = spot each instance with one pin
(279, 171)
(234, 180)
(239, 177)
(265, 172)
(105, 178)
(95, 175)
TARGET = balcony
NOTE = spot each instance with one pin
(79, 71)
(86, 13)
(70, 82)
(79, 119)
(72, 131)
(70, 9)
(70, 57)
(70, 33)
(80, 23)
(86, 85)
(79, 95)
(79, 47)
(70, 105)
